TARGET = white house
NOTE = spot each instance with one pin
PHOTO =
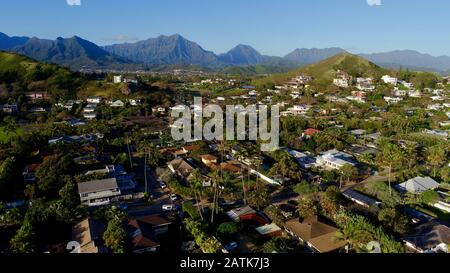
(389, 80)
(94, 100)
(436, 107)
(334, 159)
(118, 79)
(414, 94)
(343, 83)
(393, 100)
(299, 109)
(117, 103)
(98, 192)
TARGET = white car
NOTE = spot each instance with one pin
(162, 184)
(169, 207)
(173, 197)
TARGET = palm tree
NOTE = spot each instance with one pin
(197, 184)
(215, 178)
(240, 155)
(436, 156)
(128, 142)
(390, 155)
(349, 235)
(348, 171)
(410, 154)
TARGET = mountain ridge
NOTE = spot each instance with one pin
(74, 52)
(177, 50)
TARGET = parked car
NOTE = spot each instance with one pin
(162, 184)
(173, 197)
(231, 246)
(169, 207)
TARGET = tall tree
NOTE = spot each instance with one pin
(22, 242)
(197, 185)
(436, 155)
(390, 156)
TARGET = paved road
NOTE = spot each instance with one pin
(159, 196)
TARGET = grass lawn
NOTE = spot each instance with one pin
(230, 92)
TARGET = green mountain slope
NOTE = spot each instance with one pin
(19, 74)
(73, 52)
(324, 71)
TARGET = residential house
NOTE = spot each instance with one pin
(358, 96)
(365, 84)
(306, 161)
(393, 100)
(298, 110)
(99, 192)
(418, 185)
(208, 159)
(117, 103)
(319, 236)
(414, 94)
(65, 140)
(407, 84)
(94, 100)
(343, 80)
(389, 80)
(37, 96)
(435, 107)
(191, 148)
(118, 79)
(144, 233)
(431, 237)
(400, 93)
(270, 230)
(10, 109)
(310, 132)
(134, 102)
(233, 167)
(181, 167)
(112, 170)
(335, 159)
(438, 133)
(358, 133)
(29, 173)
(343, 83)
(89, 235)
(361, 199)
(159, 109)
(248, 214)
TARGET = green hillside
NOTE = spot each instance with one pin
(324, 71)
(19, 74)
(254, 70)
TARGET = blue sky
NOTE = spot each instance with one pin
(273, 27)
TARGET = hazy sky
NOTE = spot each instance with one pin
(273, 27)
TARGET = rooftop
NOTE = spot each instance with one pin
(98, 185)
(418, 185)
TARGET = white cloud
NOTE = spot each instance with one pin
(374, 2)
(74, 2)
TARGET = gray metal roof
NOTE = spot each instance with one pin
(98, 185)
(361, 198)
(419, 185)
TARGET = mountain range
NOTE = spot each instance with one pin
(78, 53)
